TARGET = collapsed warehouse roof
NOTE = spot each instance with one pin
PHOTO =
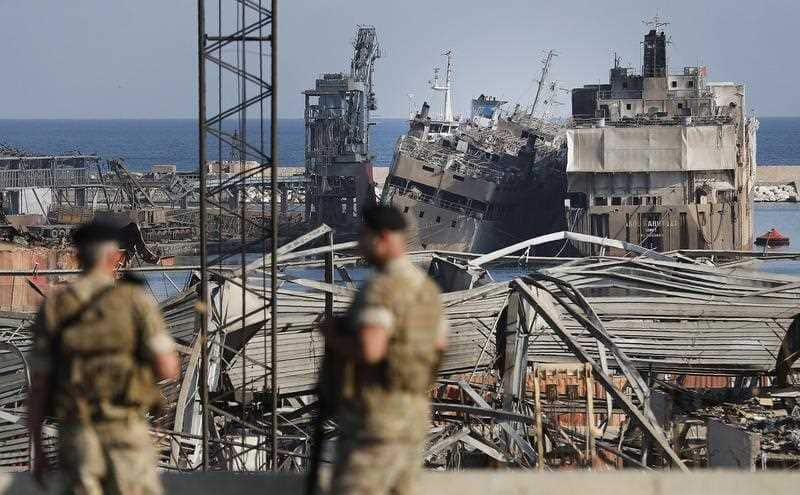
(631, 320)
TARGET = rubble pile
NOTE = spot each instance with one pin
(778, 424)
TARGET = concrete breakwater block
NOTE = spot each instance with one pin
(479, 482)
(775, 193)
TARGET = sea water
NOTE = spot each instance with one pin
(143, 143)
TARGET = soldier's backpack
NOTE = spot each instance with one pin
(99, 373)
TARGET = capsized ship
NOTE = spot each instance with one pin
(477, 184)
(662, 159)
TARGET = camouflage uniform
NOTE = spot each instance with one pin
(100, 338)
(384, 414)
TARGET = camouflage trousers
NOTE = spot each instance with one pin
(115, 457)
(376, 467)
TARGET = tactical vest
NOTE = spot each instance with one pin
(412, 357)
(391, 398)
(412, 360)
(100, 374)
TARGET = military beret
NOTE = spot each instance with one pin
(97, 230)
(380, 217)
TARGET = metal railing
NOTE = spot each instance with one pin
(43, 177)
(644, 120)
(464, 164)
(624, 94)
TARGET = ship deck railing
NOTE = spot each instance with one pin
(504, 141)
(642, 121)
(468, 165)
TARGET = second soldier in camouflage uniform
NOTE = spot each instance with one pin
(393, 342)
(99, 347)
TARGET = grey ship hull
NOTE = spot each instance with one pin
(530, 207)
(432, 227)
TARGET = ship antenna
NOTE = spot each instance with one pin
(543, 78)
(656, 22)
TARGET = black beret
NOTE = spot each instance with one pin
(380, 217)
(97, 230)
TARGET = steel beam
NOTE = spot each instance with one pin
(653, 430)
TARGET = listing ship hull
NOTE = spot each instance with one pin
(448, 210)
(436, 228)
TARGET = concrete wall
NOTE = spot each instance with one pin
(777, 174)
(482, 483)
(731, 447)
(633, 223)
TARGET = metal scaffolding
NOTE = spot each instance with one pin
(244, 31)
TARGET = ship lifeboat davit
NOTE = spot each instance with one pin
(772, 238)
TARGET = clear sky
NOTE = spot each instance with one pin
(126, 59)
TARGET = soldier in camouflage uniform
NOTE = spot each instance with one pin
(395, 336)
(100, 345)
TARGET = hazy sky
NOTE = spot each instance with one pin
(126, 59)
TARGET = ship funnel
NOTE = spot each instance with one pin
(655, 53)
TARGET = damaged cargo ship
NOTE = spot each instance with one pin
(661, 159)
(479, 184)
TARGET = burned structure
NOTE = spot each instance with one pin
(45, 196)
(662, 159)
(34, 186)
(337, 155)
(553, 362)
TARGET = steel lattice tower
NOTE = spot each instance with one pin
(237, 67)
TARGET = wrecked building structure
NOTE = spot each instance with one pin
(594, 363)
(337, 121)
(43, 197)
(662, 159)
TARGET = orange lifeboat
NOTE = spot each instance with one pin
(772, 238)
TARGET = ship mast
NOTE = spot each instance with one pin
(447, 110)
(543, 79)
